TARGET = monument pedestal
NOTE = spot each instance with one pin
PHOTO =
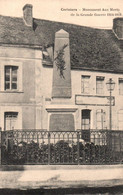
(61, 117)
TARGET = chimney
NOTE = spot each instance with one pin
(118, 27)
(61, 67)
(27, 15)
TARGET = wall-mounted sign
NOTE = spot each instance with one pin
(94, 100)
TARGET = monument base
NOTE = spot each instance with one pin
(61, 122)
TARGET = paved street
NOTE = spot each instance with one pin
(69, 191)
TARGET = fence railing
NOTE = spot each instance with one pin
(61, 147)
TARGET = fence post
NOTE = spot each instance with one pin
(78, 153)
(48, 148)
(0, 146)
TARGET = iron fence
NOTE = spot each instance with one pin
(61, 147)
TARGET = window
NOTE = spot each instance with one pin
(100, 119)
(120, 120)
(85, 84)
(11, 119)
(11, 77)
(121, 86)
(99, 85)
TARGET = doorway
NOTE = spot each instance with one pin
(85, 119)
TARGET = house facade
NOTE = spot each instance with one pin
(53, 75)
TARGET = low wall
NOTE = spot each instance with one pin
(60, 176)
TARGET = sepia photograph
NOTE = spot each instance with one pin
(61, 97)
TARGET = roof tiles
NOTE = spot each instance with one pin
(90, 48)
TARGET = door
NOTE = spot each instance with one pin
(85, 121)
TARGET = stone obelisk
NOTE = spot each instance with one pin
(61, 67)
(61, 118)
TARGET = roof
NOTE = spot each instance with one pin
(90, 48)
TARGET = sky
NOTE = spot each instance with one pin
(84, 12)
